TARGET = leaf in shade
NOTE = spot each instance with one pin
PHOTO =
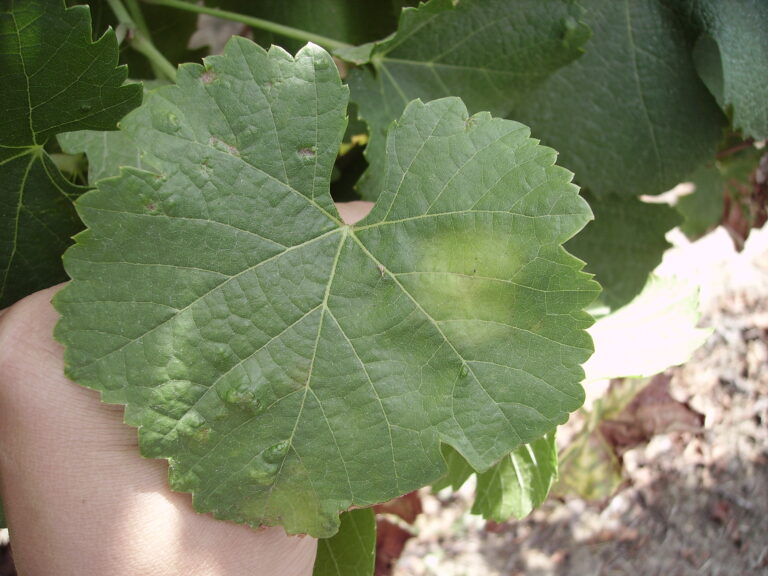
(702, 209)
(730, 54)
(53, 78)
(290, 366)
(351, 551)
(487, 52)
(623, 244)
(631, 116)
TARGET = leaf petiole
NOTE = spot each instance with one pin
(139, 38)
(288, 31)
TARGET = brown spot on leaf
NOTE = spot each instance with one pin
(208, 77)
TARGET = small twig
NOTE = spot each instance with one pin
(274, 27)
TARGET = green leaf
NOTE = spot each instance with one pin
(352, 551)
(3, 522)
(519, 482)
(631, 116)
(702, 209)
(290, 366)
(106, 152)
(623, 244)
(53, 79)
(503, 51)
(731, 54)
(514, 486)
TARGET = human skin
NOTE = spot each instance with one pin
(79, 499)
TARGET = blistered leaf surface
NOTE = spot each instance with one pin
(487, 52)
(290, 366)
(53, 78)
(352, 550)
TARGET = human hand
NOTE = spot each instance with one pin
(78, 497)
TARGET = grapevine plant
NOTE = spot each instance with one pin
(292, 367)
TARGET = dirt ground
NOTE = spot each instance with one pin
(693, 502)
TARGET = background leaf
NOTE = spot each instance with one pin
(52, 79)
(290, 366)
(730, 54)
(623, 244)
(503, 52)
(512, 487)
(352, 551)
(631, 116)
(519, 482)
(703, 208)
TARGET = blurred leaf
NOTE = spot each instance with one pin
(589, 467)
(658, 329)
(702, 209)
(652, 411)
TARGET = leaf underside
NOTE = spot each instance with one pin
(352, 550)
(53, 78)
(290, 366)
(514, 486)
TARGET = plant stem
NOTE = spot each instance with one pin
(159, 63)
(290, 32)
(138, 18)
(139, 39)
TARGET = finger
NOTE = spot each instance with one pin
(353, 212)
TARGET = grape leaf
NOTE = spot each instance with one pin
(106, 152)
(623, 244)
(290, 366)
(488, 52)
(631, 116)
(52, 79)
(519, 482)
(730, 55)
(514, 486)
(703, 208)
(352, 551)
